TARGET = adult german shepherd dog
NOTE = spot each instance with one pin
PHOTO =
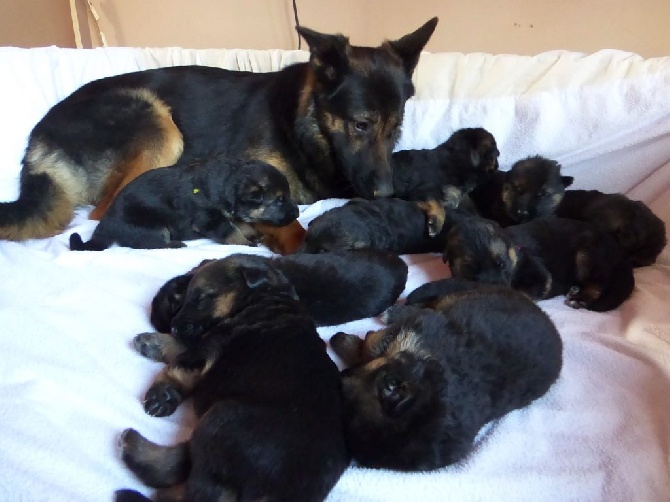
(329, 125)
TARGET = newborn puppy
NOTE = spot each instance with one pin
(216, 199)
(532, 188)
(544, 258)
(445, 173)
(636, 228)
(335, 287)
(417, 392)
(391, 224)
(266, 393)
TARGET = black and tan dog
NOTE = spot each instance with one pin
(545, 257)
(267, 395)
(329, 125)
(335, 287)
(636, 228)
(217, 199)
(392, 224)
(443, 175)
(532, 188)
(417, 392)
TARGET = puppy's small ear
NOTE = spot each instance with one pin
(255, 277)
(567, 180)
(410, 46)
(328, 54)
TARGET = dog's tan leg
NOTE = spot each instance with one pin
(159, 147)
(160, 347)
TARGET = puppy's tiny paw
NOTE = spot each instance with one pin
(161, 400)
(149, 346)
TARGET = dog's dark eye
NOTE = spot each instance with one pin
(361, 126)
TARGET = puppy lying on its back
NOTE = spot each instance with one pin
(391, 224)
(636, 228)
(445, 173)
(162, 208)
(544, 258)
(266, 393)
(532, 188)
(417, 392)
(335, 287)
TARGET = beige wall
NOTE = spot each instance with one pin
(496, 26)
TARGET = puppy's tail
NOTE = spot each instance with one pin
(43, 209)
(156, 466)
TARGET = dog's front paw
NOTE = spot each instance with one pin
(161, 400)
(149, 345)
(573, 298)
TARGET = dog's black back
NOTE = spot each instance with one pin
(341, 286)
(441, 375)
(532, 188)
(636, 228)
(392, 224)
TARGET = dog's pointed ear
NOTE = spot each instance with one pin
(410, 46)
(328, 54)
(255, 277)
(567, 180)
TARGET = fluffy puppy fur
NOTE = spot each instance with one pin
(532, 188)
(216, 199)
(261, 381)
(392, 224)
(445, 173)
(417, 392)
(335, 287)
(636, 228)
(544, 258)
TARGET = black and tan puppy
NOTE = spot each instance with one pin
(544, 258)
(266, 393)
(329, 125)
(215, 198)
(636, 228)
(392, 224)
(444, 174)
(532, 188)
(335, 287)
(417, 392)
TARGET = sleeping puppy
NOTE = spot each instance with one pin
(217, 199)
(335, 287)
(532, 188)
(267, 395)
(636, 228)
(544, 258)
(417, 392)
(445, 173)
(392, 224)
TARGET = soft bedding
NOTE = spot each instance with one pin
(70, 381)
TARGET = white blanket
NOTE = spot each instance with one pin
(70, 381)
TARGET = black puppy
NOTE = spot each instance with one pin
(214, 199)
(392, 224)
(335, 287)
(267, 395)
(636, 228)
(544, 258)
(445, 173)
(418, 391)
(532, 188)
